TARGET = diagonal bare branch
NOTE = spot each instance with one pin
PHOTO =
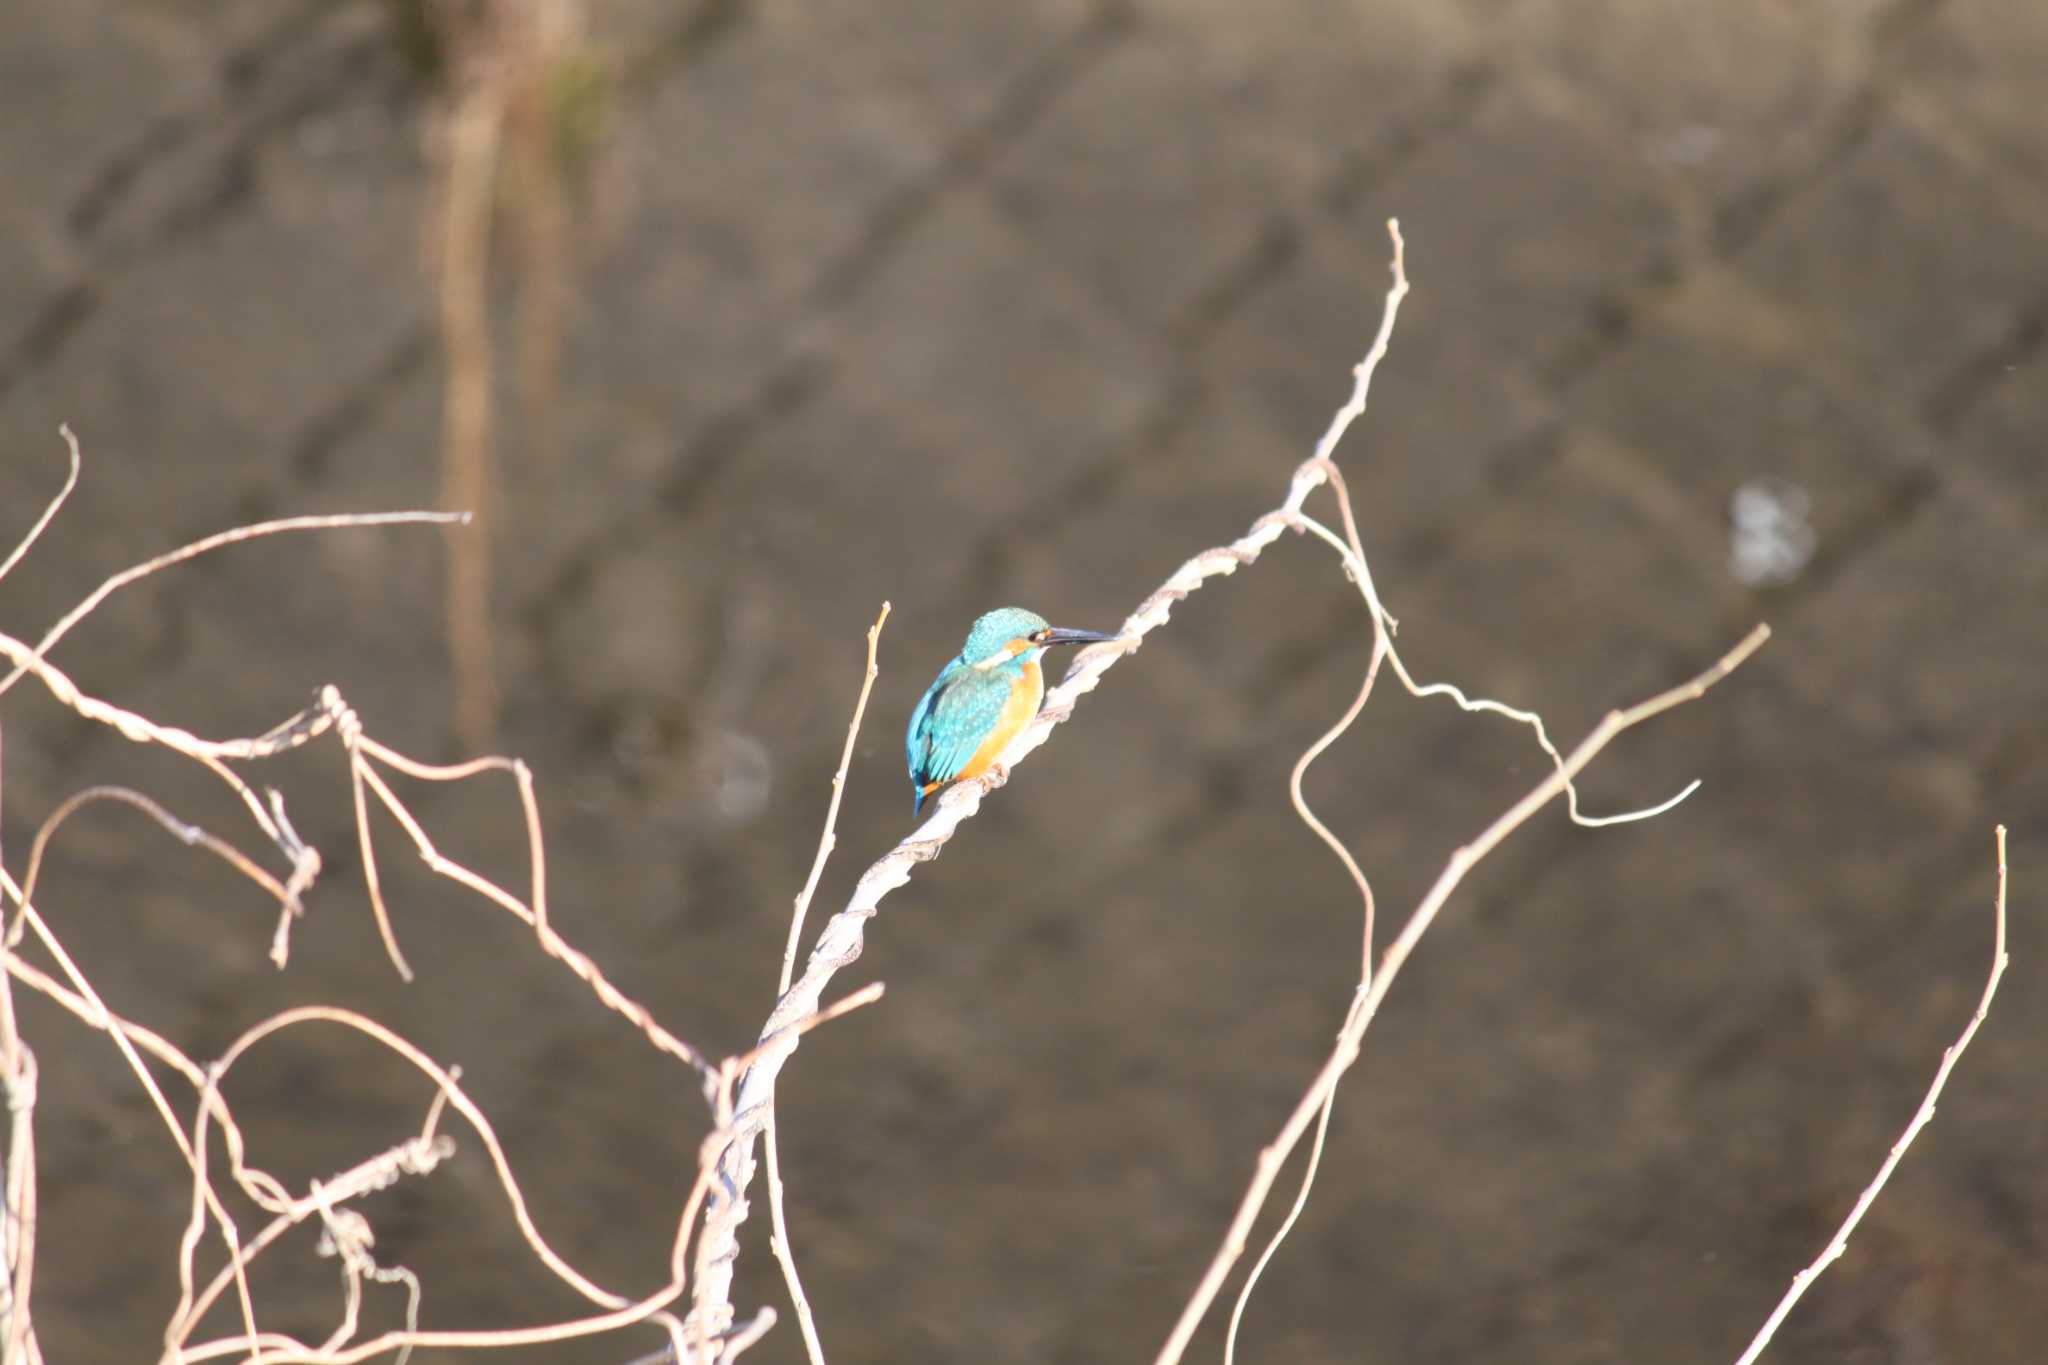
(1839, 1243)
(236, 536)
(1462, 861)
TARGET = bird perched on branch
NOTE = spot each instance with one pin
(981, 700)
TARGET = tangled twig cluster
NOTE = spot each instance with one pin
(347, 1234)
(216, 1252)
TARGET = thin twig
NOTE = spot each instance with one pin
(70, 482)
(534, 915)
(150, 1041)
(330, 712)
(417, 1156)
(622, 1311)
(1348, 548)
(209, 754)
(21, 1204)
(1840, 1242)
(104, 1018)
(1352, 551)
(779, 1243)
(347, 1234)
(1294, 1210)
(18, 1082)
(10, 1036)
(360, 773)
(829, 839)
(784, 1253)
(747, 1336)
(188, 834)
(11, 1054)
(269, 1195)
(215, 542)
(1346, 1052)
(1382, 647)
(866, 995)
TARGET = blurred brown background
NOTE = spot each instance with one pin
(964, 304)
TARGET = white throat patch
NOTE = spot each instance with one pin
(1003, 656)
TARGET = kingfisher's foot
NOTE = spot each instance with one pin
(995, 777)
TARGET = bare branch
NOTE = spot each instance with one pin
(347, 1234)
(215, 542)
(741, 1089)
(785, 1255)
(1462, 861)
(1382, 647)
(331, 713)
(1348, 549)
(20, 1241)
(188, 834)
(747, 1336)
(1308, 1180)
(18, 1080)
(866, 995)
(1351, 549)
(1840, 1242)
(829, 839)
(840, 941)
(363, 749)
(103, 1018)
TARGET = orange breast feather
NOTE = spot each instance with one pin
(1017, 713)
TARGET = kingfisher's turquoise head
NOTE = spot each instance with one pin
(983, 698)
(1006, 632)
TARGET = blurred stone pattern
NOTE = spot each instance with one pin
(960, 305)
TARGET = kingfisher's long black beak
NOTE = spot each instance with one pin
(1059, 635)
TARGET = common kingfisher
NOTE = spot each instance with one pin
(981, 700)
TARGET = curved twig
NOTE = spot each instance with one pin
(49, 512)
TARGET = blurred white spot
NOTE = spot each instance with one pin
(740, 773)
(1770, 539)
(1687, 146)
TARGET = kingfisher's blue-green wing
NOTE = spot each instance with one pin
(962, 718)
(951, 722)
(917, 740)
